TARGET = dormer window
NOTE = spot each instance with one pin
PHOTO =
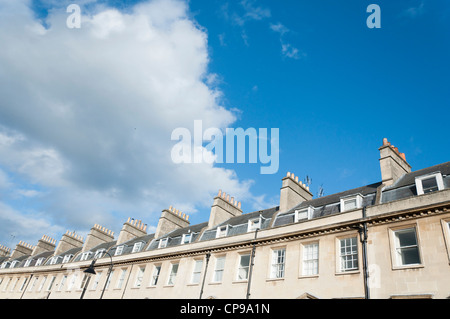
(119, 250)
(99, 253)
(4, 265)
(429, 183)
(351, 202)
(39, 261)
(222, 231)
(186, 239)
(137, 247)
(54, 260)
(254, 224)
(85, 255)
(304, 214)
(163, 242)
(67, 258)
(28, 262)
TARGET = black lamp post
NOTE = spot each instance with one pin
(91, 271)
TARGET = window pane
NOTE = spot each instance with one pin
(429, 185)
(410, 256)
(406, 246)
(350, 204)
(407, 237)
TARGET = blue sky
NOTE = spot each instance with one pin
(87, 113)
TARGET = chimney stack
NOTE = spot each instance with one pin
(46, 243)
(68, 241)
(22, 249)
(131, 229)
(223, 208)
(170, 220)
(97, 235)
(393, 164)
(4, 251)
(293, 192)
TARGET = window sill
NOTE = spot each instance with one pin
(192, 284)
(168, 286)
(240, 281)
(350, 272)
(308, 276)
(416, 266)
(274, 279)
(215, 283)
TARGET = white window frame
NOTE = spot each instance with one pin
(436, 175)
(278, 263)
(163, 242)
(50, 285)
(155, 275)
(62, 283)
(119, 250)
(96, 281)
(303, 214)
(397, 249)
(5, 287)
(109, 278)
(137, 247)
(310, 259)
(219, 268)
(31, 288)
(243, 269)
(197, 271)
(222, 231)
(28, 262)
(358, 198)
(121, 278)
(67, 258)
(139, 277)
(39, 261)
(13, 263)
(173, 274)
(446, 231)
(85, 255)
(183, 238)
(42, 283)
(254, 224)
(344, 257)
(72, 281)
(23, 284)
(99, 253)
(54, 260)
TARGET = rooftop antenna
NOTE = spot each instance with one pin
(320, 192)
(308, 180)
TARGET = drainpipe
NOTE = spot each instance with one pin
(362, 230)
(252, 259)
(204, 275)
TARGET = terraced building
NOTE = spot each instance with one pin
(390, 239)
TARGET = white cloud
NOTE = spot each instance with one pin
(87, 114)
(287, 49)
(415, 11)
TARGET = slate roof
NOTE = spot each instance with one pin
(105, 246)
(405, 186)
(175, 237)
(328, 205)
(44, 254)
(271, 217)
(128, 246)
(239, 224)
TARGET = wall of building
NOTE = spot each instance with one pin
(428, 214)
